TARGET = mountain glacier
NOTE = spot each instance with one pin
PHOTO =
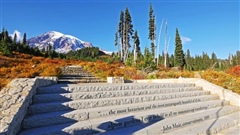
(60, 42)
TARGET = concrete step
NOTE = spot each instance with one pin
(214, 126)
(97, 80)
(57, 97)
(79, 77)
(83, 75)
(235, 130)
(93, 103)
(204, 123)
(64, 88)
(162, 123)
(76, 74)
(62, 117)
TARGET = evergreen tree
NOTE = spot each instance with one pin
(6, 44)
(214, 60)
(149, 64)
(116, 42)
(2, 34)
(128, 33)
(125, 31)
(188, 65)
(5, 48)
(161, 59)
(205, 61)
(121, 33)
(14, 46)
(237, 58)
(171, 60)
(15, 38)
(137, 51)
(179, 60)
(152, 29)
(24, 41)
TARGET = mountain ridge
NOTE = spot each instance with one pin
(61, 43)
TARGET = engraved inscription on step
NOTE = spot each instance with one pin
(182, 124)
(152, 106)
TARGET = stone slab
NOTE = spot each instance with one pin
(55, 118)
(220, 91)
(184, 125)
(43, 98)
(235, 130)
(108, 87)
(214, 126)
(123, 121)
(93, 103)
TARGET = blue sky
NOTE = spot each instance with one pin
(205, 25)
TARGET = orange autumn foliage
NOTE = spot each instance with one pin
(27, 66)
(223, 79)
(234, 71)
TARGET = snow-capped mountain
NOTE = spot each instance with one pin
(61, 42)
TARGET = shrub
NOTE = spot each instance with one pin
(234, 71)
(51, 71)
(223, 79)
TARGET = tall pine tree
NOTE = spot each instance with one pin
(24, 39)
(179, 60)
(152, 29)
(128, 33)
(125, 30)
(121, 33)
(136, 50)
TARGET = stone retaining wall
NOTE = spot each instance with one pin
(15, 99)
(207, 86)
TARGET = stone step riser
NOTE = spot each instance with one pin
(79, 72)
(84, 104)
(60, 89)
(76, 74)
(43, 98)
(79, 77)
(163, 125)
(79, 81)
(127, 87)
(86, 114)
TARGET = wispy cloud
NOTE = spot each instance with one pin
(185, 39)
(18, 34)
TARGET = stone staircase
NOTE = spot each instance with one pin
(123, 109)
(76, 74)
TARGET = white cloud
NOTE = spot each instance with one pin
(18, 33)
(185, 39)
